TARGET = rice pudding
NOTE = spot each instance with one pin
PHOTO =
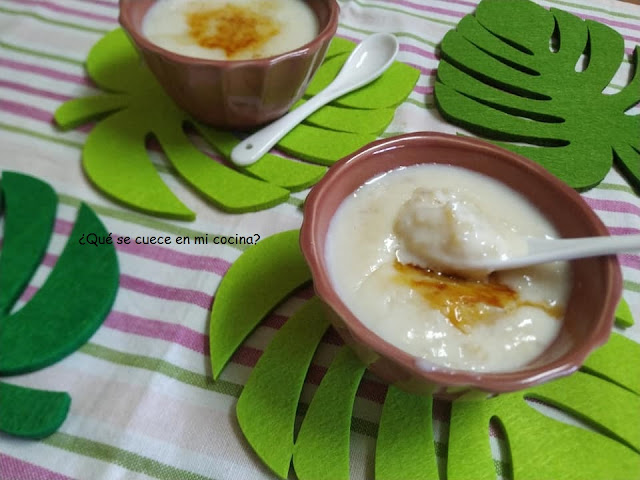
(383, 246)
(230, 29)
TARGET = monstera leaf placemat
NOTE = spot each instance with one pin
(604, 396)
(61, 315)
(499, 77)
(116, 160)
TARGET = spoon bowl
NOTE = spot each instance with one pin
(370, 59)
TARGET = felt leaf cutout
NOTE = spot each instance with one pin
(604, 396)
(30, 212)
(271, 168)
(499, 78)
(122, 171)
(609, 451)
(624, 317)
(64, 312)
(568, 452)
(324, 146)
(322, 447)
(274, 389)
(405, 447)
(578, 394)
(350, 119)
(30, 413)
(47, 329)
(230, 189)
(265, 273)
(116, 159)
(80, 110)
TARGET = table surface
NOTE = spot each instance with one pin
(136, 411)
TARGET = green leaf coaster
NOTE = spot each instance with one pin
(73, 302)
(115, 155)
(603, 397)
(500, 79)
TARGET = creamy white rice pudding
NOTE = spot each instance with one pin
(230, 29)
(382, 250)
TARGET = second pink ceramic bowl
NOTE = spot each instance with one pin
(233, 94)
(596, 282)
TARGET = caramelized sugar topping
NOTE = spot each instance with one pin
(466, 302)
(232, 28)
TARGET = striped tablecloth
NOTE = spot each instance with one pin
(144, 405)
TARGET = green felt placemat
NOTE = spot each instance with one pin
(116, 159)
(603, 398)
(499, 78)
(63, 313)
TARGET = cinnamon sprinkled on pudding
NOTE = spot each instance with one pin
(230, 29)
(233, 29)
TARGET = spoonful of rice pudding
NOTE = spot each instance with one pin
(443, 231)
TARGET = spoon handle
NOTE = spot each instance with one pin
(572, 248)
(544, 251)
(256, 145)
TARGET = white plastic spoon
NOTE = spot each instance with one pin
(367, 62)
(544, 251)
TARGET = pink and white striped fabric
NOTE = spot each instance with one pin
(144, 405)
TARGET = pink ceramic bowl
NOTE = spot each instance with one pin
(597, 282)
(233, 94)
